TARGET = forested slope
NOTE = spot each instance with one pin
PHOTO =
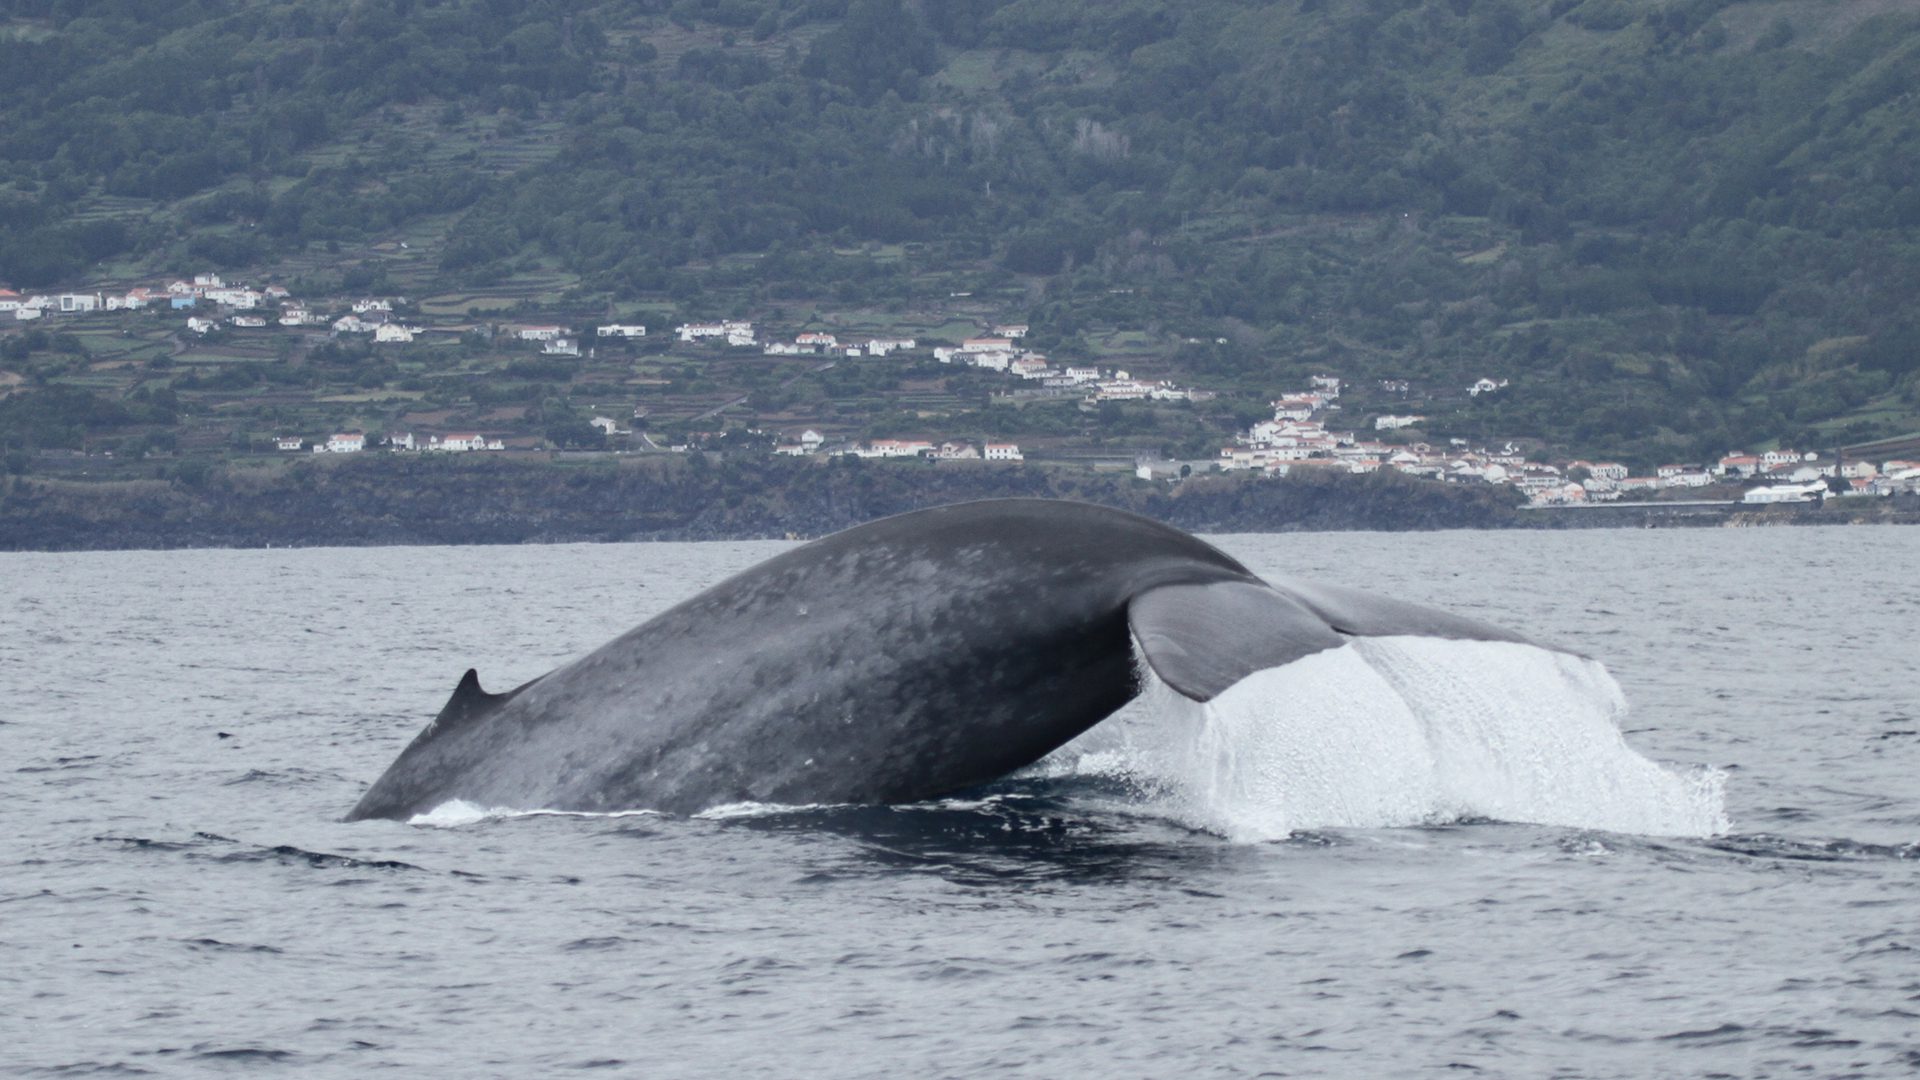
(1683, 225)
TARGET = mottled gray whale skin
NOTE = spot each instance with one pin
(899, 660)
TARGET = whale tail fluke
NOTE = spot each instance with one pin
(1202, 638)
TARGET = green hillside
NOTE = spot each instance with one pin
(1676, 227)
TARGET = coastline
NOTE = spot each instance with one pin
(393, 501)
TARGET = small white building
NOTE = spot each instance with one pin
(201, 326)
(1003, 451)
(1395, 423)
(290, 442)
(539, 333)
(1486, 386)
(79, 303)
(294, 316)
(239, 299)
(363, 307)
(561, 347)
(249, 322)
(352, 324)
(883, 346)
(458, 443)
(898, 448)
(345, 442)
(622, 330)
(1011, 331)
(736, 332)
(402, 441)
(1785, 493)
(393, 332)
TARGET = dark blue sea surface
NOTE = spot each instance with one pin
(1388, 863)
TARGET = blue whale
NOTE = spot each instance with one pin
(900, 660)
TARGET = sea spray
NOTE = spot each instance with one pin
(1390, 732)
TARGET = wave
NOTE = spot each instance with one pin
(1389, 732)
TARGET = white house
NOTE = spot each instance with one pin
(1011, 331)
(987, 344)
(1395, 423)
(9, 300)
(239, 299)
(1783, 457)
(1003, 451)
(954, 450)
(346, 442)
(402, 441)
(294, 316)
(1786, 493)
(622, 330)
(1486, 386)
(811, 439)
(733, 331)
(351, 324)
(289, 442)
(201, 326)
(893, 448)
(76, 303)
(539, 333)
(883, 346)
(458, 443)
(1609, 470)
(362, 307)
(393, 332)
(561, 347)
(251, 322)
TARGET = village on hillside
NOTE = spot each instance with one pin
(1298, 437)
(1301, 434)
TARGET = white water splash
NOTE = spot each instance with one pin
(1387, 732)
(456, 813)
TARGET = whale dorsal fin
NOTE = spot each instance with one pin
(1201, 639)
(469, 702)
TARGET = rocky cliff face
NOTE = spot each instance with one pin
(423, 501)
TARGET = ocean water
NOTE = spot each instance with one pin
(1691, 850)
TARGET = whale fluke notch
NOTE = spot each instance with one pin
(1201, 639)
